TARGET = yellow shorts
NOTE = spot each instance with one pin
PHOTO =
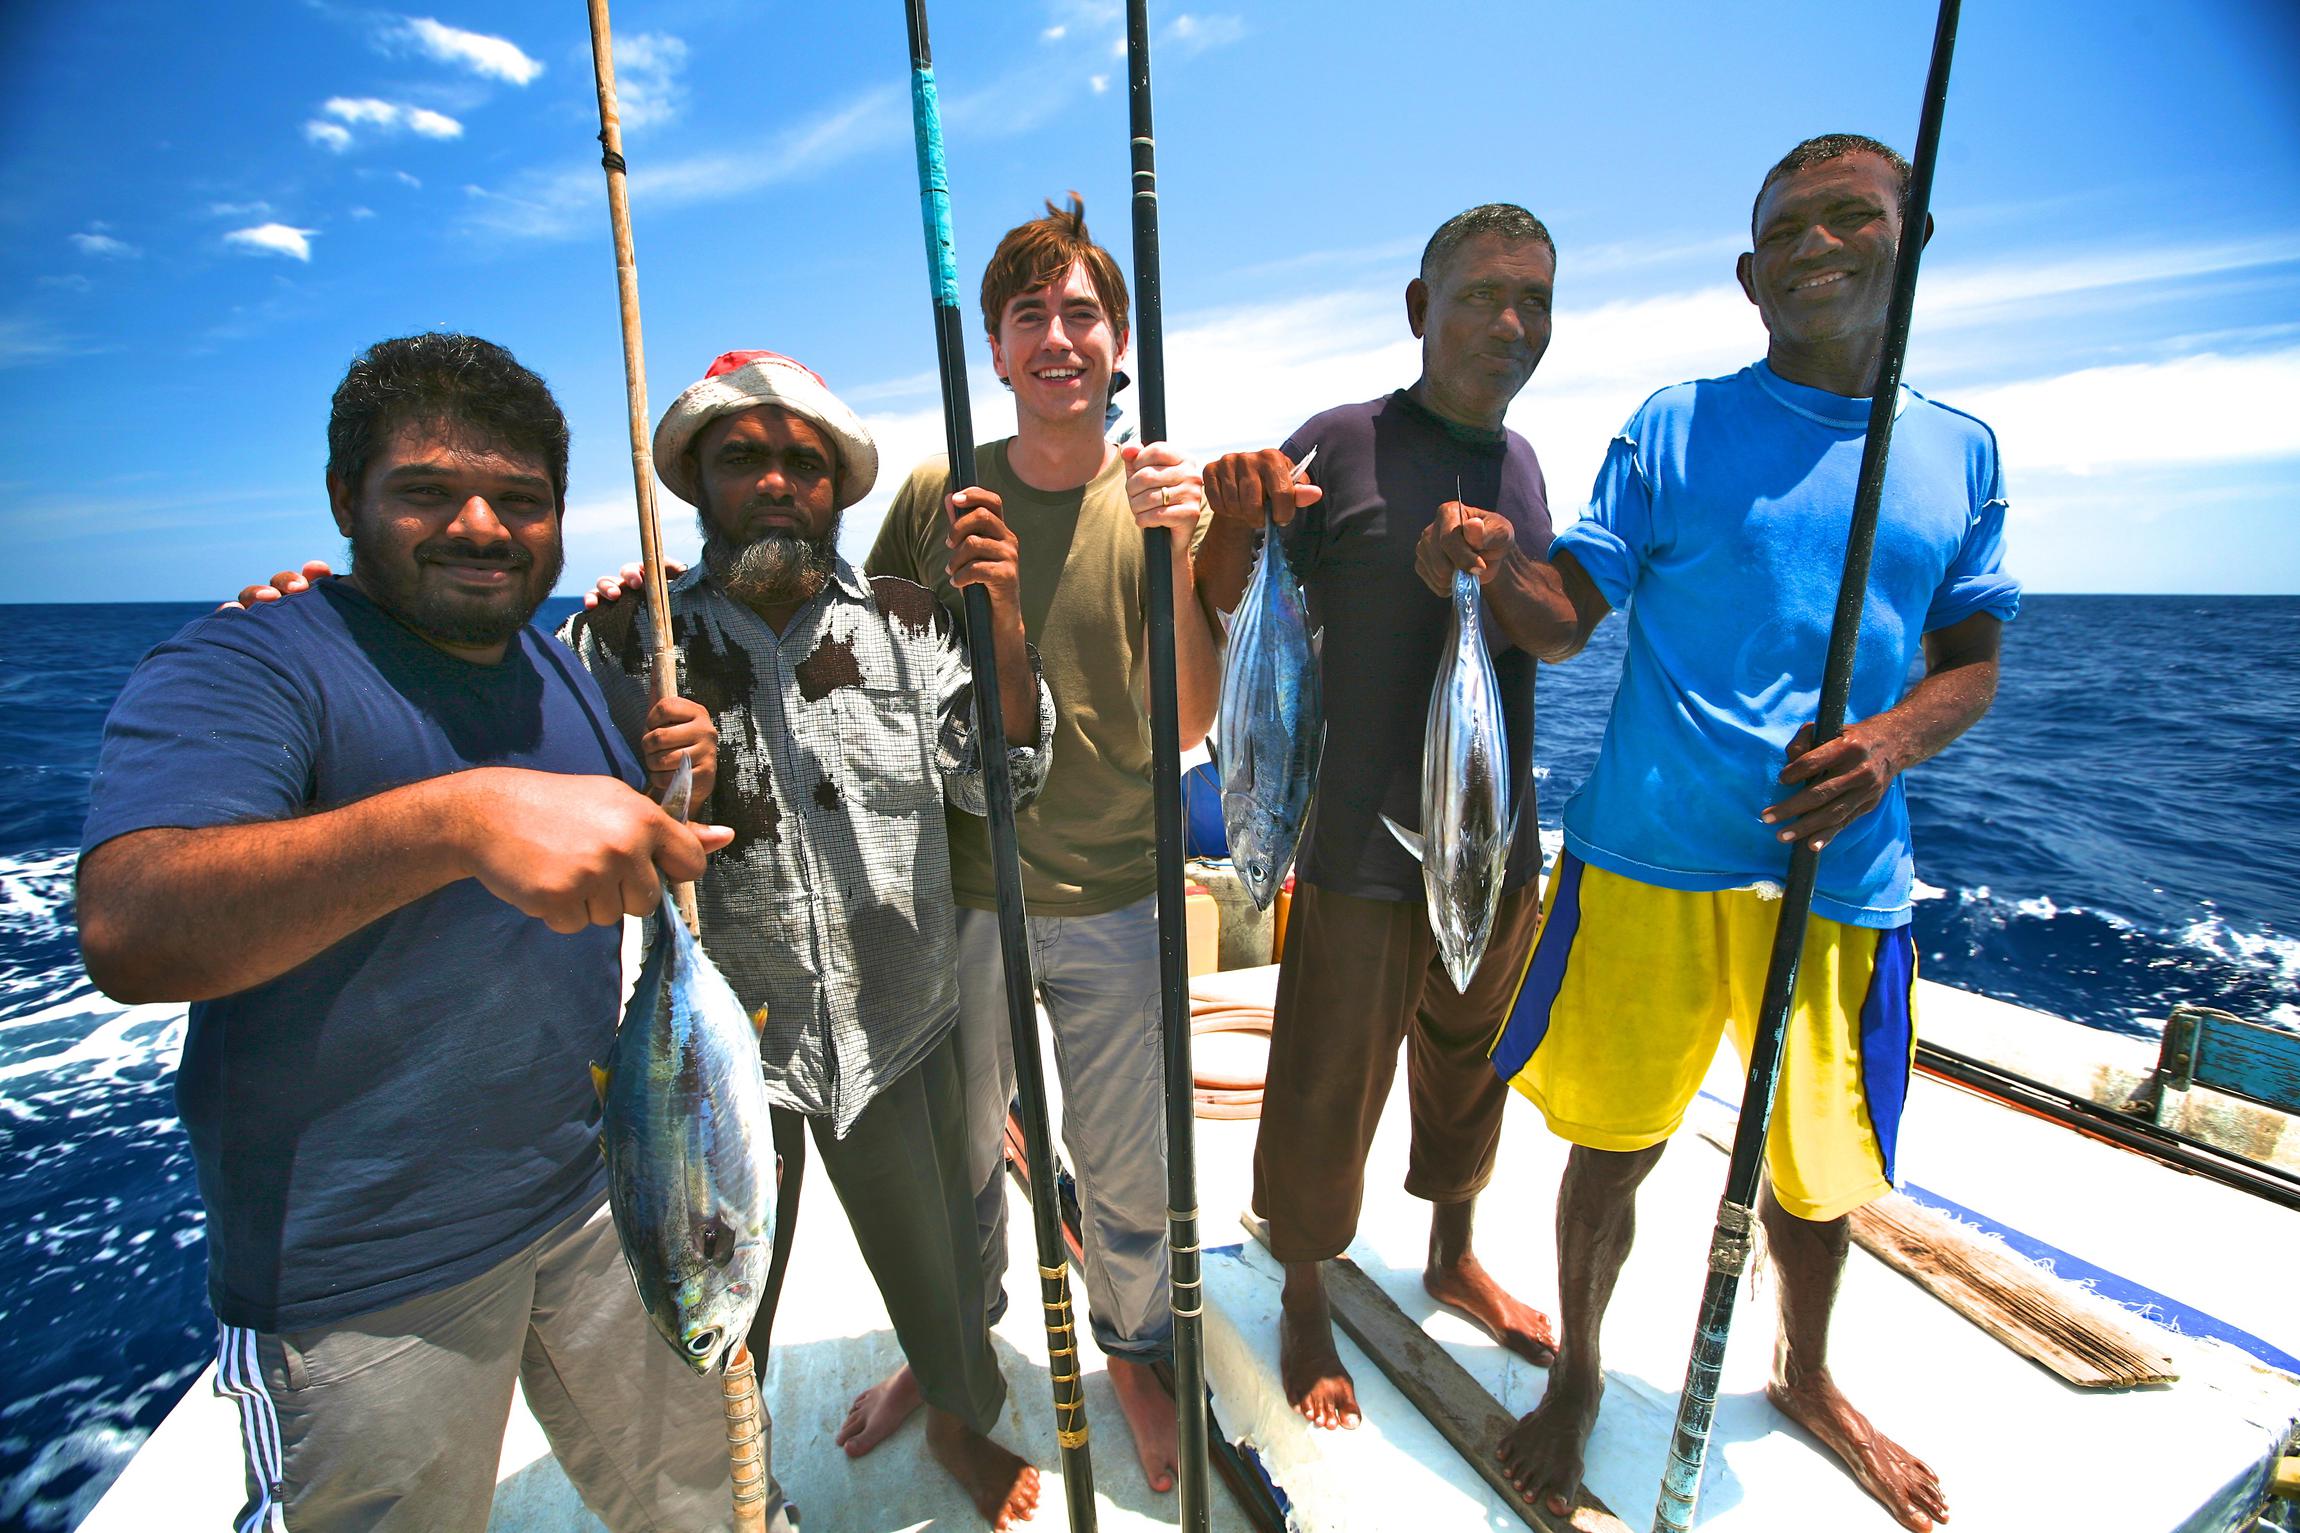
(1617, 1017)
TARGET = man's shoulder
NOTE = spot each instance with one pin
(1341, 420)
(301, 634)
(1976, 434)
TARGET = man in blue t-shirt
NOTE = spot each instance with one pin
(1718, 523)
(384, 839)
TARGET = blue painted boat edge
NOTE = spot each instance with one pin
(2161, 1309)
(2168, 1312)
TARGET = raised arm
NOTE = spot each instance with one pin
(1165, 489)
(170, 914)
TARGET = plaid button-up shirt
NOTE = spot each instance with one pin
(839, 741)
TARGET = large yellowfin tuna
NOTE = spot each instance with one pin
(1272, 721)
(686, 1141)
(1467, 825)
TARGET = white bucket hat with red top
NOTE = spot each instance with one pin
(744, 380)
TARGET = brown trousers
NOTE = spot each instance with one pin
(1358, 977)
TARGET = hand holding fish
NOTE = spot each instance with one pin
(1247, 486)
(570, 851)
(1463, 538)
(1164, 489)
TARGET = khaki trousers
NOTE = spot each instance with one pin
(392, 1422)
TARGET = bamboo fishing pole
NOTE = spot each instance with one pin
(1730, 1242)
(663, 678)
(1062, 1361)
(746, 1451)
(1182, 1245)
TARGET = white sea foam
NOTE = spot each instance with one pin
(2267, 952)
(1920, 890)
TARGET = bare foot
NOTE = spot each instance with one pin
(1465, 1287)
(1003, 1488)
(1317, 1385)
(1149, 1414)
(878, 1410)
(1906, 1486)
(1542, 1454)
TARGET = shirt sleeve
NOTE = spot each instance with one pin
(895, 550)
(956, 753)
(1615, 534)
(1976, 581)
(212, 729)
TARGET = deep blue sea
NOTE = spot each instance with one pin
(2121, 833)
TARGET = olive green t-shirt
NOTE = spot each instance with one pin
(1088, 842)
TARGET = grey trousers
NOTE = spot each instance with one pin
(393, 1422)
(904, 1176)
(1098, 977)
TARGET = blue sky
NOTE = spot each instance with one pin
(205, 211)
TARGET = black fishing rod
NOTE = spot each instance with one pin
(1729, 1244)
(998, 788)
(1189, 1294)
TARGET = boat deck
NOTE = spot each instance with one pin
(2016, 1448)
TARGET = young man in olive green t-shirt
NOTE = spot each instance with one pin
(1054, 304)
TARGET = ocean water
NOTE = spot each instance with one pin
(2121, 833)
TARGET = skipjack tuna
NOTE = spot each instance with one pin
(685, 1137)
(1272, 722)
(1467, 826)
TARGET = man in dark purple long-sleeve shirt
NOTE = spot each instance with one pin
(1361, 971)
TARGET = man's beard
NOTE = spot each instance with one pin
(775, 569)
(463, 620)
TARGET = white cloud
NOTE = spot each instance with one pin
(239, 210)
(274, 239)
(70, 282)
(359, 214)
(404, 179)
(496, 58)
(1098, 83)
(25, 340)
(648, 87)
(558, 204)
(1195, 34)
(385, 118)
(93, 241)
(1055, 33)
(2145, 414)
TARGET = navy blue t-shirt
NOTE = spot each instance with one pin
(413, 1105)
(1387, 465)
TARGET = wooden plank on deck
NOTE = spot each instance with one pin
(1440, 1388)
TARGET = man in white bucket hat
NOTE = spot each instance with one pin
(846, 716)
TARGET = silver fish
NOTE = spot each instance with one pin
(1467, 824)
(1272, 722)
(686, 1141)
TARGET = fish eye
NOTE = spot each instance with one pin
(703, 1343)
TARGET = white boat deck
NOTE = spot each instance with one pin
(2016, 1448)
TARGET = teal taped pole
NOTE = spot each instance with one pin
(1063, 1372)
(1736, 1213)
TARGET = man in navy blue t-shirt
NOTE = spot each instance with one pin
(384, 841)
(1362, 976)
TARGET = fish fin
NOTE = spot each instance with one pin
(759, 1021)
(679, 797)
(1411, 840)
(600, 1076)
(1318, 643)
